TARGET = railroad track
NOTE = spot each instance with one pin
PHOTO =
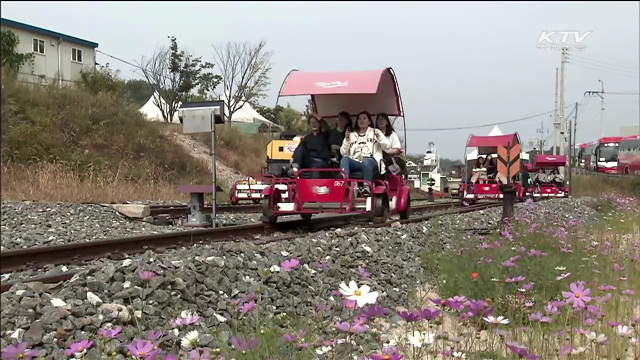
(182, 209)
(37, 257)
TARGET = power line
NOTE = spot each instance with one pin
(590, 58)
(487, 125)
(600, 69)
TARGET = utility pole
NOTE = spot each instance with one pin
(563, 125)
(556, 122)
(601, 95)
(602, 110)
(541, 140)
(575, 126)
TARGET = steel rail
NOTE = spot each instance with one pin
(37, 257)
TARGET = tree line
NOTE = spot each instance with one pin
(239, 73)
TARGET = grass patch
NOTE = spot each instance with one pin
(246, 153)
(76, 139)
(585, 185)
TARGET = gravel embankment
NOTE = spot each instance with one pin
(205, 279)
(29, 224)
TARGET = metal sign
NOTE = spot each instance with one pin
(196, 117)
(199, 117)
(431, 182)
(509, 160)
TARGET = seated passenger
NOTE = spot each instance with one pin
(540, 177)
(362, 149)
(479, 170)
(313, 150)
(556, 177)
(388, 157)
(492, 170)
(336, 136)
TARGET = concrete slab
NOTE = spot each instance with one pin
(137, 211)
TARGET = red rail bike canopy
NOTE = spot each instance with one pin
(375, 91)
(489, 144)
(549, 161)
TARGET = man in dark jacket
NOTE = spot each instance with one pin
(314, 150)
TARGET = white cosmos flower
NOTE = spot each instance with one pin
(494, 320)
(459, 355)
(362, 295)
(420, 338)
(624, 330)
(597, 338)
(323, 350)
(579, 350)
(561, 268)
(190, 340)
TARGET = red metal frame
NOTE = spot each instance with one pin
(487, 189)
(233, 193)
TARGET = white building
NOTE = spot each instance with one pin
(57, 58)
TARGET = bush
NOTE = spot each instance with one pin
(90, 134)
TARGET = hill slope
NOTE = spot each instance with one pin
(70, 145)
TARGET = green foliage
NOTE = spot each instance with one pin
(288, 117)
(88, 131)
(12, 59)
(138, 91)
(175, 74)
(454, 267)
(102, 80)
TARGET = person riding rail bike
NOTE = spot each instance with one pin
(362, 149)
(313, 151)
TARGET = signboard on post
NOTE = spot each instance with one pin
(509, 160)
(201, 117)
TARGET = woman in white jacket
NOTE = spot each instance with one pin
(362, 148)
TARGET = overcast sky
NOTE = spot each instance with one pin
(457, 63)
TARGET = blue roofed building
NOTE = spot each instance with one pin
(57, 58)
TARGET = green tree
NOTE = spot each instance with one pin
(174, 74)
(138, 91)
(287, 117)
(12, 59)
(291, 119)
(101, 80)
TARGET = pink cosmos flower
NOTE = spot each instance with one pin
(563, 276)
(140, 348)
(242, 344)
(289, 264)
(516, 279)
(79, 347)
(247, 307)
(110, 333)
(578, 296)
(363, 272)
(355, 328)
(146, 275)
(19, 351)
(349, 304)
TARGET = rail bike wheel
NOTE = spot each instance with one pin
(267, 212)
(381, 208)
(407, 212)
(306, 216)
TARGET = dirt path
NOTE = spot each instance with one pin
(224, 173)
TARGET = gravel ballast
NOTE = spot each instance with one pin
(207, 278)
(29, 224)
